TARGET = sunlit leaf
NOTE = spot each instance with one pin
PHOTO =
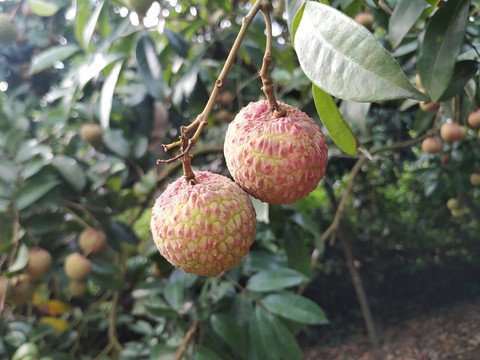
(106, 96)
(344, 59)
(270, 280)
(48, 58)
(89, 27)
(21, 259)
(441, 45)
(292, 7)
(149, 66)
(336, 126)
(43, 7)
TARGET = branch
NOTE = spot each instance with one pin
(183, 346)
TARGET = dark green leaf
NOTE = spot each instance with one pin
(464, 71)
(103, 267)
(229, 331)
(174, 294)
(296, 249)
(107, 281)
(441, 45)
(71, 171)
(271, 280)
(260, 260)
(204, 353)
(149, 66)
(162, 352)
(177, 41)
(262, 336)
(34, 190)
(288, 345)
(47, 58)
(344, 59)
(106, 96)
(353, 8)
(406, 13)
(122, 232)
(338, 129)
(295, 307)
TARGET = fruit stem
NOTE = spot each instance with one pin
(268, 87)
(200, 122)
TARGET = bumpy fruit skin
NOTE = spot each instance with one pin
(276, 159)
(204, 228)
(451, 132)
(474, 119)
(39, 262)
(432, 145)
(92, 241)
(8, 30)
(77, 267)
(91, 133)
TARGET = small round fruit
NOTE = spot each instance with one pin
(91, 133)
(445, 159)
(429, 106)
(39, 262)
(8, 30)
(475, 179)
(20, 289)
(277, 157)
(139, 6)
(451, 132)
(78, 288)
(77, 267)
(457, 212)
(92, 241)
(432, 145)
(474, 119)
(365, 19)
(204, 228)
(453, 204)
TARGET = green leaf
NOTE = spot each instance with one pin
(344, 59)
(262, 336)
(353, 8)
(292, 8)
(47, 58)
(177, 41)
(433, 2)
(204, 353)
(43, 7)
(336, 126)
(94, 65)
(107, 281)
(21, 259)
(288, 345)
(106, 95)
(296, 249)
(70, 171)
(81, 19)
(103, 267)
(406, 13)
(116, 142)
(463, 72)
(149, 66)
(271, 280)
(34, 190)
(174, 294)
(229, 331)
(443, 40)
(295, 307)
(89, 27)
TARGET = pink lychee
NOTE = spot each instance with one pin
(277, 157)
(432, 145)
(204, 228)
(451, 132)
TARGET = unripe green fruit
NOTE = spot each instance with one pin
(474, 119)
(453, 204)
(92, 241)
(39, 262)
(77, 267)
(429, 106)
(457, 212)
(78, 288)
(451, 132)
(139, 6)
(277, 157)
(27, 351)
(432, 145)
(366, 19)
(91, 133)
(20, 289)
(475, 179)
(8, 30)
(205, 228)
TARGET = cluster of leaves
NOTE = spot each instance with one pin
(141, 78)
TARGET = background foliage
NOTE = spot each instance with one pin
(140, 79)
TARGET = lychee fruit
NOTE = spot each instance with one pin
(206, 227)
(432, 145)
(91, 133)
(92, 241)
(20, 289)
(474, 119)
(451, 132)
(276, 156)
(39, 262)
(8, 30)
(78, 288)
(77, 267)
(453, 204)
(429, 106)
(365, 19)
(475, 179)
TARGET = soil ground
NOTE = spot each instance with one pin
(448, 334)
